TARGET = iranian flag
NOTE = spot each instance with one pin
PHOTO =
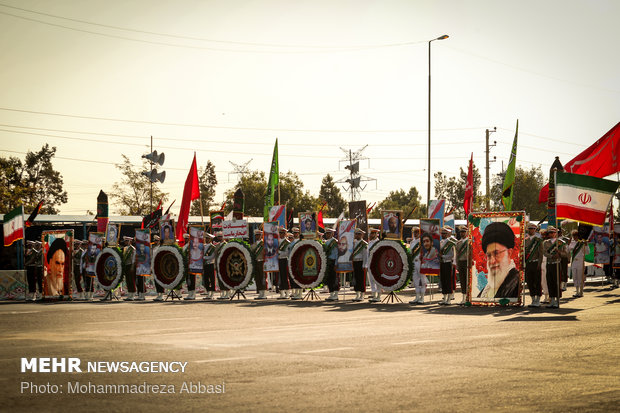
(583, 198)
(13, 226)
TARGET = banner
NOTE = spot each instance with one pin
(272, 243)
(95, 245)
(429, 246)
(191, 191)
(357, 211)
(195, 254)
(102, 211)
(345, 235)
(13, 226)
(436, 210)
(272, 183)
(216, 218)
(235, 229)
(238, 204)
(57, 250)
(497, 243)
(278, 213)
(143, 252)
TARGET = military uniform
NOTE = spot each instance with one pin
(446, 267)
(258, 249)
(360, 250)
(375, 288)
(208, 266)
(464, 257)
(577, 251)
(129, 269)
(553, 249)
(533, 258)
(331, 278)
(283, 276)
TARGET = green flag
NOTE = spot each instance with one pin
(272, 183)
(509, 178)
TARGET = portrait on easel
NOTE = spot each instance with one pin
(391, 224)
(308, 225)
(167, 232)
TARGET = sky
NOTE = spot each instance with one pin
(224, 79)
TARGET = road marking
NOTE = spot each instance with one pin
(152, 319)
(412, 342)
(327, 349)
(226, 359)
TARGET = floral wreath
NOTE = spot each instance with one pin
(224, 265)
(294, 263)
(103, 266)
(390, 274)
(163, 267)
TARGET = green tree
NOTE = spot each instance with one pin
(132, 194)
(29, 182)
(453, 191)
(254, 186)
(208, 182)
(526, 188)
(401, 201)
(330, 194)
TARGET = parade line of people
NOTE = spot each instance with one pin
(547, 255)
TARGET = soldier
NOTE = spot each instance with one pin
(77, 274)
(533, 258)
(31, 269)
(419, 280)
(553, 249)
(208, 273)
(375, 289)
(565, 259)
(283, 265)
(89, 279)
(331, 251)
(154, 247)
(446, 267)
(577, 250)
(359, 255)
(296, 290)
(258, 248)
(219, 242)
(129, 268)
(464, 257)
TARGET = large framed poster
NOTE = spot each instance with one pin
(497, 271)
(429, 246)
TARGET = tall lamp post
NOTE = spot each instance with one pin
(428, 188)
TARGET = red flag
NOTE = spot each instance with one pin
(190, 192)
(599, 160)
(469, 188)
(319, 217)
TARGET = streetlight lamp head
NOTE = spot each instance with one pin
(445, 36)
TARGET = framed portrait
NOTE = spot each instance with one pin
(391, 224)
(271, 240)
(278, 213)
(112, 234)
(166, 232)
(216, 218)
(357, 211)
(496, 277)
(345, 236)
(57, 252)
(195, 250)
(308, 224)
(95, 245)
(430, 237)
(143, 252)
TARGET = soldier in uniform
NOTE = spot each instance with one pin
(31, 269)
(553, 249)
(77, 274)
(533, 258)
(375, 289)
(258, 249)
(464, 258)
(419, 279)
(129, 268)
(360, 251)
(577, 250)
(564, 259)
(208, 273)
(154, 247)
(283, 265)
(331, 278)
(296, 290)
(446, 267)
(219, 242)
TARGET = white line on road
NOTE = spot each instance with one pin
(153, 319)
(226, 359)
(327, 349)
(412, 342)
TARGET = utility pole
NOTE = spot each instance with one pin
(354, 179)
(488, 197)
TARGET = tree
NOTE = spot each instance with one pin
(330, 194)
(29, 182)
(254, 186)
(133, 194)
(207, 181)
(401, 201)
(525, 197)
(453, 190)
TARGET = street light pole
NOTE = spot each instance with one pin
(428, 188)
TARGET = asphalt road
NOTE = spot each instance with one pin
(282, 356)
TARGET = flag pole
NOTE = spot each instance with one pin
(557, 265)
(202, 214)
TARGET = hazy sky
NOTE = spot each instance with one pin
(224, 78)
